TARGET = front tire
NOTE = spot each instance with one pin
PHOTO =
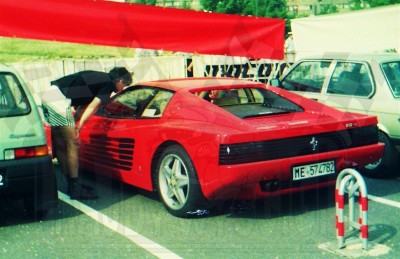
(178, 185)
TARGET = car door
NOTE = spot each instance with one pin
(349, 87)
(109, 137)
(121, 129)
(95, 152)
(346, 85)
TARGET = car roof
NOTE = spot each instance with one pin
(377, 57)
(200, 83)
(5, 68)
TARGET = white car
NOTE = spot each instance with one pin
(26, 169)
(361, 83)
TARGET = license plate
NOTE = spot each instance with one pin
(313, 170)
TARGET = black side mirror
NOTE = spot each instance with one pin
(274, 82)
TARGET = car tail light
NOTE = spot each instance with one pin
(26, 152)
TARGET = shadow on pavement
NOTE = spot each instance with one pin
(286, 205)
(12, 211)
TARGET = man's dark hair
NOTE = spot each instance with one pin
(118, 73)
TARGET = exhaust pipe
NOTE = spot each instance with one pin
(270, 186)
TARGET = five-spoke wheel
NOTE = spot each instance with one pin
(177, 183)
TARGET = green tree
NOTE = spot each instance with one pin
(262, 8)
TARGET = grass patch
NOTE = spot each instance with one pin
(21, 50)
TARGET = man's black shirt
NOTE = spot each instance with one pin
(83, 86)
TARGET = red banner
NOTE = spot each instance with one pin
(142, 26)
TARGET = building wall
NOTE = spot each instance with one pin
(312, 7)
(294, 7)
(192, 4)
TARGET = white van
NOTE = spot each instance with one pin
(26, 169)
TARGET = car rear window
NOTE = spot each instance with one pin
(13, 101)
(249, 102)
(392, 74)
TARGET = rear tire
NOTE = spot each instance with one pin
(178, 185)
(388, 164)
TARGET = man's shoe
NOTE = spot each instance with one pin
(87, 187)
(80, 192)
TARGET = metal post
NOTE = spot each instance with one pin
(351, 182)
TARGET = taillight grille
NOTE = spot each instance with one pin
(249, 152)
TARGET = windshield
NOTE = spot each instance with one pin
(392, 74)
(249, 102)
(13, 101)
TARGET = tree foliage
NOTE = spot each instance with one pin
(263, 8)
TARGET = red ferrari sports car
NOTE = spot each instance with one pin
(201, 139)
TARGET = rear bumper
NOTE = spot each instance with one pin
(31, 177)
(247, 181)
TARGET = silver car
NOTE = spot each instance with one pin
(362, 83)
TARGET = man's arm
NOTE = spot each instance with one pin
(89, 111)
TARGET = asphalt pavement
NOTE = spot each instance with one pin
(129, 223)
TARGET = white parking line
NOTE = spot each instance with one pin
(384, 201)
(135, 237)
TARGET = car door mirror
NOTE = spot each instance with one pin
(274, 82)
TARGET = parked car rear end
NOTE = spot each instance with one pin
(26, 170)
